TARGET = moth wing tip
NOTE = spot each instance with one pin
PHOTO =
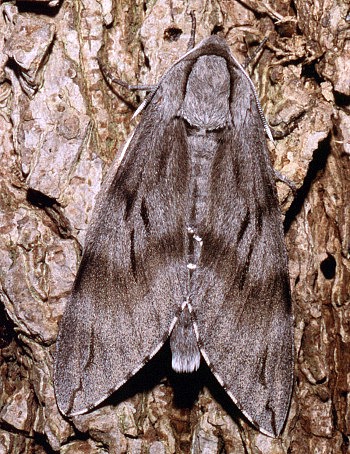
(72, 413)
(267, 432)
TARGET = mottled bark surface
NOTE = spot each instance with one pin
(60, 126)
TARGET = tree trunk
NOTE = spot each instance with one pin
(60, 127)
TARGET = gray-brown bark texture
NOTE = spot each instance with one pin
(60, 126)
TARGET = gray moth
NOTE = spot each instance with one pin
(186, 241)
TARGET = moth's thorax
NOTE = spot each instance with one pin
(206, 102)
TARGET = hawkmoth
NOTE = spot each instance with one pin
(186, 241)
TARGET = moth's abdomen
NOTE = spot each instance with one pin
(183, 344)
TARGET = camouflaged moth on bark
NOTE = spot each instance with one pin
(186, 241)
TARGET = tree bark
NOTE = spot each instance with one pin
(60, 126)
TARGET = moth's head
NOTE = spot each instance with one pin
(206, 101)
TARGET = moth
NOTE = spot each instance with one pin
(186, 241)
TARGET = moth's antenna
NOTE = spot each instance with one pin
(192, 41)
(112, 79)
(255, 53)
